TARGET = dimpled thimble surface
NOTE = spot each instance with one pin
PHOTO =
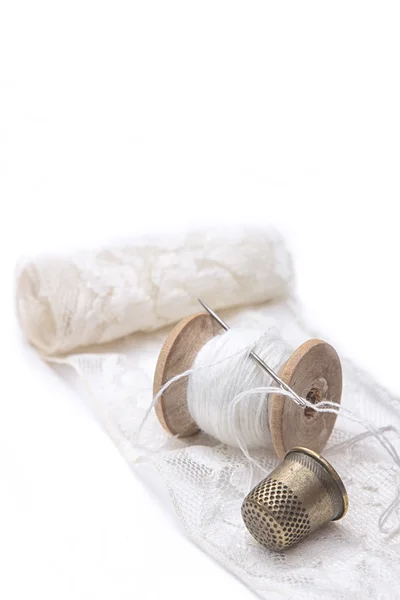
(303, 493)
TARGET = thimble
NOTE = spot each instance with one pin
(303, 493)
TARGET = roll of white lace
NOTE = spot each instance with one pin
(94, 297)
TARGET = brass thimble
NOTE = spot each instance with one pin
(303, 493)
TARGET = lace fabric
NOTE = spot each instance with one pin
(206, 479)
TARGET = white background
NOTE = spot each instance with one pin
(124, 116)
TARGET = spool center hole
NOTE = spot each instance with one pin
(314, 396)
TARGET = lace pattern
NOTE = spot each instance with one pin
(208, 480)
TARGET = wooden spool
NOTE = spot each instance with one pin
(313, 371)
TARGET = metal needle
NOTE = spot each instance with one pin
(255, 356)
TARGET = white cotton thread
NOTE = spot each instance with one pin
(184, 374)
(211, 391)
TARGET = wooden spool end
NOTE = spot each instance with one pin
(177, 356)
(313, 371)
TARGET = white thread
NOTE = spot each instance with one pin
(242, 351)
(211, 391)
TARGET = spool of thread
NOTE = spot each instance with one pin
(221, 371)
(303, 493)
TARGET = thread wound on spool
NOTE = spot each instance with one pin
(213, 392)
